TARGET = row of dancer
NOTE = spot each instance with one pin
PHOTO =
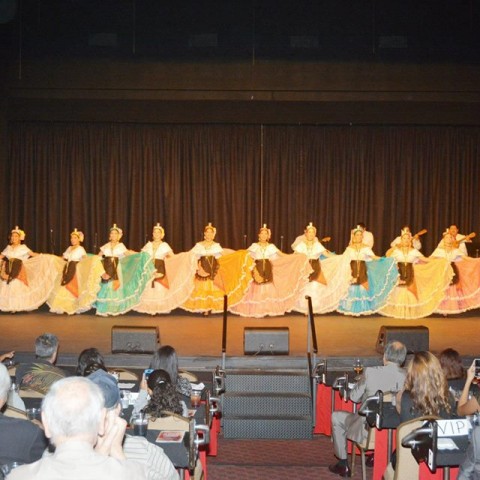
(259, 281)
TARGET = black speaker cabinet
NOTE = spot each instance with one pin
(266, 341)
(134, 339)
(414, 338)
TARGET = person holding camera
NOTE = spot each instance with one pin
(466, 405)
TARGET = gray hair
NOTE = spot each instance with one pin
(46, 345)
(73, 407)
(395, 352)
(5, 383)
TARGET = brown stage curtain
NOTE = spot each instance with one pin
(61, 176)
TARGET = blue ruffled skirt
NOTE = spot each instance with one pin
(134, 272)
(382, 277)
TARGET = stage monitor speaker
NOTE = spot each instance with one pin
(414, 338)
(266, 341)
(128, 339)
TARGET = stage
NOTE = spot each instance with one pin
(198, 339)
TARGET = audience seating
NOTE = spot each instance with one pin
(406, 465)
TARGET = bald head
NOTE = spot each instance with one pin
(73, 409)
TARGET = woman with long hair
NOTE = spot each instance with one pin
(426, 390)
(165, 358)
(163, 396)
(89, 361)
(452, 366)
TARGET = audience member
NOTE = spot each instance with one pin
(468, 404)
(7, 355)
(426, 390)
(452, 366)
(165, 358)
(20, 440)
(87, 445)
(389, 377)
(40, 374)
(159, 466)
(158, 395)
(89, 361)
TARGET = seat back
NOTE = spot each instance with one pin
(407, 466)
(28, 393)
(15, 413)
(191, 377)
(174, 422)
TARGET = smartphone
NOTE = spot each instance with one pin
(476, 362)
(147, 372)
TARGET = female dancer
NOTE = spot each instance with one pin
(206, 297)
(125, 277)
(78, 284)
(328, 282)
(27, 277)
(421, 283)
(172, 284)
(278, 279)
(370, 285)
(463, 292)
(219, 272)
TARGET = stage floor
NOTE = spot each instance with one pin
(200, 336)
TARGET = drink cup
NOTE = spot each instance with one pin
(34, 414)
(195, 398)
(140, 425)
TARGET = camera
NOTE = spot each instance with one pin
(476, 362)
(147, 372)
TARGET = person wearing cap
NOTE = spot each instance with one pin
(20, 440)
(139, 449)
(87, 444)
(327, 285)
(78, 284)
(172, 284)
(125, 277)
(27, 278)
(278, 279)
(372, 278)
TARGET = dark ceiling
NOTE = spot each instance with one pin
(223, 30)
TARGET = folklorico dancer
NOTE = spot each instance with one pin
(328, 283)
(463, 292)
(27, 277)
(219, 272)
(79, 278)
(173, 283)
(126, 275)
(372, 278)
(278, 279)
(421, 284)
